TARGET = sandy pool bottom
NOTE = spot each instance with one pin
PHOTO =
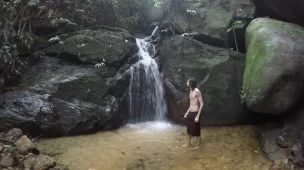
(158, 146)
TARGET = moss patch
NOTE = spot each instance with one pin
(263, 49)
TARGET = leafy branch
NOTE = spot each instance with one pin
(233, 27)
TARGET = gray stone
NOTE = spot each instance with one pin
(218, 73)
(7, 161)
(14, 134)
(25, 145)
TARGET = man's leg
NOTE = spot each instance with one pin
(189, 142)
(199, 140)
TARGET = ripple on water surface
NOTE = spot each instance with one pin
(158, 146)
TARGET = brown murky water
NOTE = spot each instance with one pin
(158, 146)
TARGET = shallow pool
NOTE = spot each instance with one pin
(158, 146)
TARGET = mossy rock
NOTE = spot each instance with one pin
(94, 45)
(274, 69)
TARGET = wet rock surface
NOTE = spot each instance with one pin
(66, 93)
(59, 100)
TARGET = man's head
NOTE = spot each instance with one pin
(191, 83)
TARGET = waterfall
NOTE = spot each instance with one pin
(146, 90)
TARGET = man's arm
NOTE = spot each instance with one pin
(200, 99)
(187, 112)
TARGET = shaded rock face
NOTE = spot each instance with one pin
(290, 11)
(208, 21)
(57, 98)
(285, 140)
(274, 74)
(219, 76)
(270, 146)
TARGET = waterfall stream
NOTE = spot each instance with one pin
(146, 90)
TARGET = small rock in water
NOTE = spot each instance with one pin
(1, 148)
(280, 164)
(39, 162)
(14, 134)
(29, 161)
(25, 145)
(7, 161)
(44, 162)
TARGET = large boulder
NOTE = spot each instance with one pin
(98, 44)
(218, 73)
(274, 72)
(57, 98)
(209, 20)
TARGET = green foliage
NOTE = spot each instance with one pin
(235, 25)
(17, 34)
(158, 3)
(14, 36)
(197, 5)
(244, 96)
(33, 2)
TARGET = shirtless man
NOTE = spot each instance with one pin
(194, 111)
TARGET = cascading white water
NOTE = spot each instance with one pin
(146, 90)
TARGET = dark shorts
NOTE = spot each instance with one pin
(193, 128)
